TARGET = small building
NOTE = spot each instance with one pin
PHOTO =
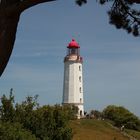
(73, 78)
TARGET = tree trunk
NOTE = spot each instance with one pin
(136, 1)
(10, 11)
(8, 27)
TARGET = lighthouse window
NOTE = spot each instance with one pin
(79, 68)
(80, 89)
(80, 112)
(73, 51)
(80, 78)
(80, 100)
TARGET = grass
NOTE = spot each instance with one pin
(90, 129)
(135, 134)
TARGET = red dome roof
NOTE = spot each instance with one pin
(73, 44)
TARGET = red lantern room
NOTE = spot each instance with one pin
(73, 48)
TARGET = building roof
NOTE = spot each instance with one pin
(73, 44)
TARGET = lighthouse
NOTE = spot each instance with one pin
(73, 78)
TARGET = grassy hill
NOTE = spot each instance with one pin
(90, 129)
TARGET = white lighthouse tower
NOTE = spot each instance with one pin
(73, 78)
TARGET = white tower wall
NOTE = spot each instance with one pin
(73, 83)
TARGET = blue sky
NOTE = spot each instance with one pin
(111, 65)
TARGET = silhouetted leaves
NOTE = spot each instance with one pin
(123, 16)
(80, 2)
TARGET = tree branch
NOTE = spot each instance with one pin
(7, 39)
(135, 1)
(25, 4)
(9, 16)
(127, 11)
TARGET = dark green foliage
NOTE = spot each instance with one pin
(97, 114)
(71, 111)
(14, 131)
(7, 110)
(121, 116)
(41, 123)
(80, 2)
(51, 122)
(123, 16)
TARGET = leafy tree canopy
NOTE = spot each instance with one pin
(14, 131)
(28, 119)
(121, 116)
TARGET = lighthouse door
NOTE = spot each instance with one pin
(80, 112)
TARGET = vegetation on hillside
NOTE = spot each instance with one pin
(29, 121)
(135, 134)
(120, 116)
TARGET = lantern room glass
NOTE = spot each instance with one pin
(73, 51)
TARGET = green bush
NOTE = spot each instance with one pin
(28, 118)
(121, 116)
(14, 131)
